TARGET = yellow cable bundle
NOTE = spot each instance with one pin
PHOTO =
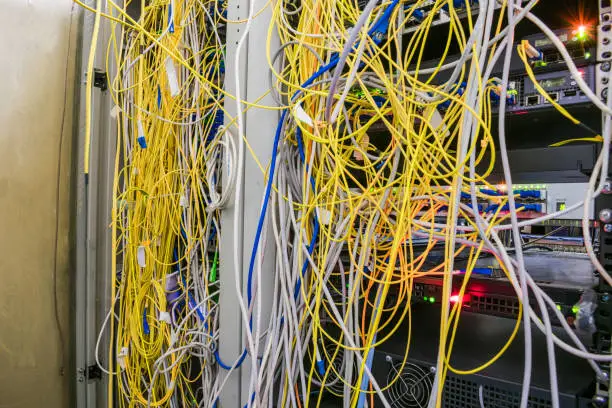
(166, 248)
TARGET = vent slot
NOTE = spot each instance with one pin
(457, 390)
(413, 383)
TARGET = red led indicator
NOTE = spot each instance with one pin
(456, 298)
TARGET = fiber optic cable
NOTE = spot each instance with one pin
(374, 164)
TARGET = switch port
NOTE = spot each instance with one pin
(554, 57)
(579, 53)
(532, 100)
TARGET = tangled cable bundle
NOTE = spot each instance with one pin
(340, 192)
(169, 100)
(354, 219)
(380, 160)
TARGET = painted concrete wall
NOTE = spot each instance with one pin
(34, 55)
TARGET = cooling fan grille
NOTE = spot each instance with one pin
(412, 385)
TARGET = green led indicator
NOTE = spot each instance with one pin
(213, 271)
(587, 55)
(558, 307)
(432, 299)
(425, 298)
(575, 309)
(581, 33)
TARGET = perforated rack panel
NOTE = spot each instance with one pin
(478, 338)
(459, 391)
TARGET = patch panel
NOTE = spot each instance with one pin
(441, 15)
(560, 86)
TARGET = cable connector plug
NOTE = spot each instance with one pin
(320, 364)
(418, 15)
(532, 52)
(378, 32)
(142, 141)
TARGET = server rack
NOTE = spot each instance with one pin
(95, 189)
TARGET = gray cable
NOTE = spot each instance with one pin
(348, 47)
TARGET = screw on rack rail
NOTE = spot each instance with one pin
(607, 228)
(604, 377)
(81, 375)
(605, 215)
(599, 401)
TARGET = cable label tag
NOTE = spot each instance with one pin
(115, 112)
(436, 121)
(302, 116)
(140, 255)
(363, 143)
(324, 216)
(183, 202)
(121, 356)
(173, 83)
(165, 317)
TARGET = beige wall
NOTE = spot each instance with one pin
(33, 56)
